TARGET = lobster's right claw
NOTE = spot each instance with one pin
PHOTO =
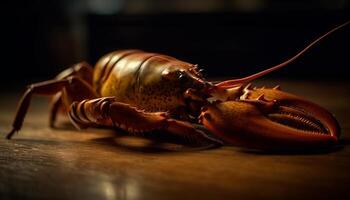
(271, 119)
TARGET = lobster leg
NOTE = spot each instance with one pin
(74, 89)
(82, 70)
(107, 111)
(55, 106)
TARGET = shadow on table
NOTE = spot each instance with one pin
(160, 142)
(325, 150)
(159, 146)
(151, 144)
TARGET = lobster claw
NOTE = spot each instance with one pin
(271, 119)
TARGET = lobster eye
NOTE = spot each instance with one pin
(179, 75)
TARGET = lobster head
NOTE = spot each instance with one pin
(269, 119)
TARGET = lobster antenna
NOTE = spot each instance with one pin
(232, 83)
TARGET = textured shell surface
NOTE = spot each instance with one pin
(149, 81)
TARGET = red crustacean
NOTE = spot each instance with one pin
(140, 92)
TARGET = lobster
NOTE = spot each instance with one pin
(141, 92)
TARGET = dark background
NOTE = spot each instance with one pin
(226, 37)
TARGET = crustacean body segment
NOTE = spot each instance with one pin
(149, 81)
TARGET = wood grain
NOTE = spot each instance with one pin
(63, 163)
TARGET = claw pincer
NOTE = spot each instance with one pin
(271, 119)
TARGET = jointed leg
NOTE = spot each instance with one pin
(56, 105)
(81, 70)
(107, 111)
(74, 89)
(43, 88)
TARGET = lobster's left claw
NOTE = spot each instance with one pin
(271, 119)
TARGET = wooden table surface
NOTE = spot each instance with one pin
(62, 163)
